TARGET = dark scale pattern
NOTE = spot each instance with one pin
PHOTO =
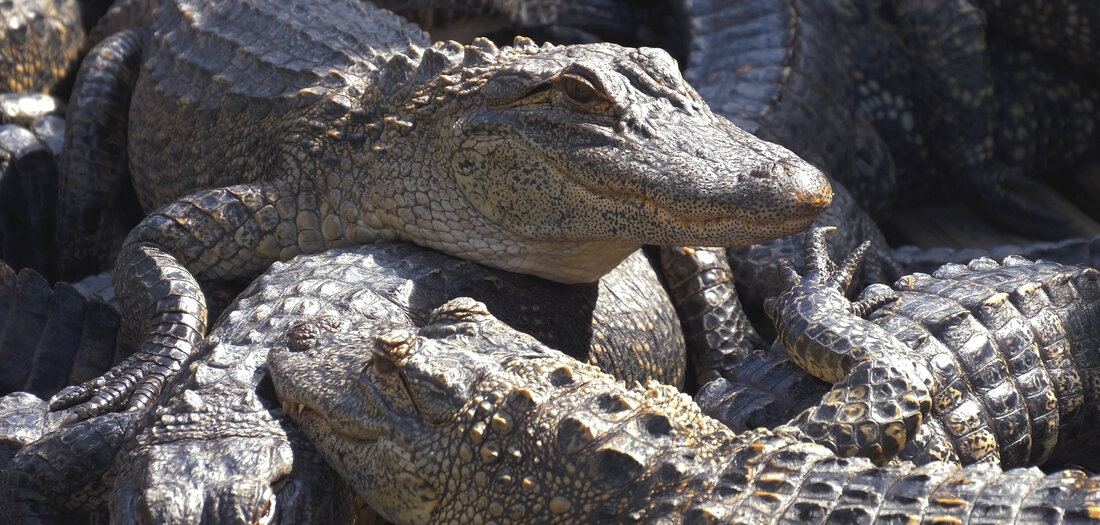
(583, 447)
(1009, 348)
(51, 337)
(881, 396)
(912, 101)
(1067, 29)
(700, 282)
(28, 181)
(40, 44)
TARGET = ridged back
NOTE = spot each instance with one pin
(266, 48)
(1014, 347)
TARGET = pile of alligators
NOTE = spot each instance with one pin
(449, 317)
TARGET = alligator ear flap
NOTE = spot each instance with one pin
(506, 89)
(847, 270)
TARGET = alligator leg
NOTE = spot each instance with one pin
(94, 165)
(880, 396)
(160, 298)
(765, 390)
(718, 334)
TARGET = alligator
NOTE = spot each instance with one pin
(28, 179)
(378, 134)
(466, 419)
(909, 100)
(774, 68)
(40, 44)
(217, 429)
(1006, 354)
(52, 337)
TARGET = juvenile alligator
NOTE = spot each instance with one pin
(466, 419)
(212, 437)
(1003, 360)
(370, 132)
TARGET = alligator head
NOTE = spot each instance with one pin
(561, 160)
(375, 415)
(457, 418)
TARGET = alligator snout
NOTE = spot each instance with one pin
(811, 186)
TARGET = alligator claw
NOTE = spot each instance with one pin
(825, 334)
(132, 384)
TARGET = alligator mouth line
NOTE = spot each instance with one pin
(736, 216)
(308, 417)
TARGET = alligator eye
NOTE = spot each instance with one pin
(579, 89)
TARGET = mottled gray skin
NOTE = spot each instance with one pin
(213, 449)
(467, 421)
(540, 160)
(1007, 352)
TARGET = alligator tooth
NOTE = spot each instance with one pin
(291, 408)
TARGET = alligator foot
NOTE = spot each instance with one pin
(163, 304)
(880, 396)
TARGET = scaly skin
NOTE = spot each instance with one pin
(28, 181)
(40, 44)
(538, 160)
(1008, 353)
(717, 332)
(1076, 251)
(214, 448)
(1067, 29)
(906, 101)
(52, 337)
(880, 395)
(562, 22)
(466, 420)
